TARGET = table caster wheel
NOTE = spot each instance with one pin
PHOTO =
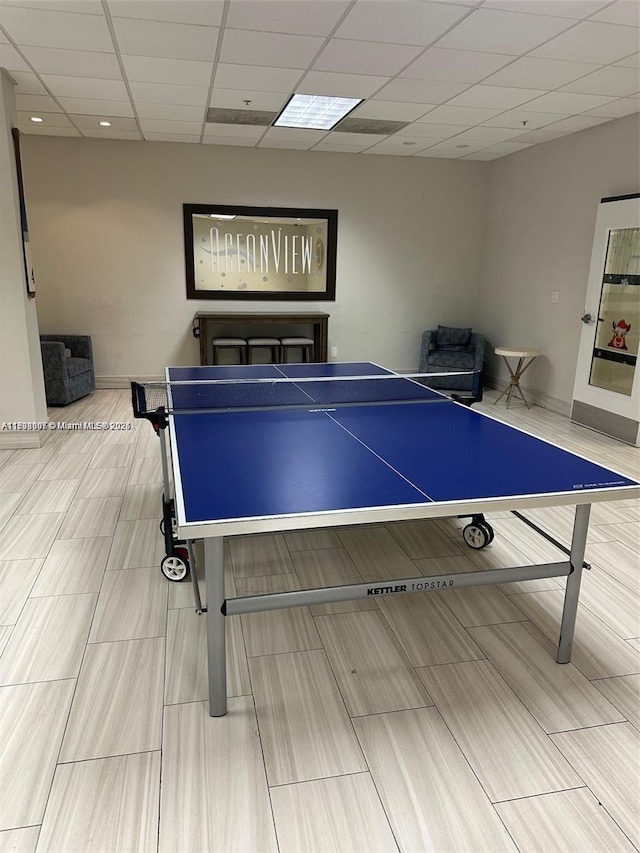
(477, 535)
(175, 567)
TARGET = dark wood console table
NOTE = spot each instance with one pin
(207, 326)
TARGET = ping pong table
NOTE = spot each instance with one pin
(268, 448)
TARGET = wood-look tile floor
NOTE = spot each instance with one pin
(433, 723)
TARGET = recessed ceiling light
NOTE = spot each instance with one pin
(316, 112)
(104, 123)
(36, 118)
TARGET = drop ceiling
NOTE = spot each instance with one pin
(465, 79)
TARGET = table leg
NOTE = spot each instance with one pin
(514, 381)
(216, 655)
(572, 589)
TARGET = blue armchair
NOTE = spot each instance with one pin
(447, 350)
(67, 362)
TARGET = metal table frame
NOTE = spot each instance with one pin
(218, 607)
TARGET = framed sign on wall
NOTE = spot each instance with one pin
(260, 252)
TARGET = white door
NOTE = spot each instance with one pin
(606, 394)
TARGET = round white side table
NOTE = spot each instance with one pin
(522, 354)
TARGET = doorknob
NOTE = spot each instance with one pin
(586, 318)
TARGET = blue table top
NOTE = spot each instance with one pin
(293, 462)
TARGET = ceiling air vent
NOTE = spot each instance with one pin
(257, 118)
(351, 124)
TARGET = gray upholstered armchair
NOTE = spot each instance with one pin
(67, 361)
(448, 349)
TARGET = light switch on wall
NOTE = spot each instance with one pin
(555, 296)
(334, 352)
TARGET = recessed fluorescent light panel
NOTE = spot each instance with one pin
(317, 112)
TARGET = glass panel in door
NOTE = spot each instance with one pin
(615, 351)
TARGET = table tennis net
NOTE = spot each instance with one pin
(308, 392)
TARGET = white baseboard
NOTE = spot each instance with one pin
(115, 382)
(10, 440)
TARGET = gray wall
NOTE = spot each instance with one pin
(108, 243)
(21, 383)
(421, 242)
(540, 218)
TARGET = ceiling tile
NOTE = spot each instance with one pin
(163, 93)
(50, 119)
(176, 11)
(296, 17)
(364, 57)
(489, 134)
(534, 73)
(613, 80)
(632, 61)
(11, 59)
(172, 41)
(515, 119)
(297, 133)
(422, 130)
(41, 130)
(243, 47)
(493, 31)
(229, 140)
(154, 125)
(170, 137)
(89, 122)
(56, 29)
(91, 7)
(440, 155)
(37, 102)
(420, 91)
(335, 147)
(340, 85)
(85, 87)
(89, 106)
(576, 9)
(398, 21)
(173, 112)
(74, 63)
(616, 109)
(256, 78)
(497, 151)
(622, 12)
(110, 133)
(405, 143)
(495, 97)
(235, 100)
(182, 72)
(28, 83)
(591, 42)
(456, 66)
(459, 147)
(392, 110)
(468, 116)
(356, 138)
(402, 147)
(566, 103)
(545, 135)
(576, 123)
